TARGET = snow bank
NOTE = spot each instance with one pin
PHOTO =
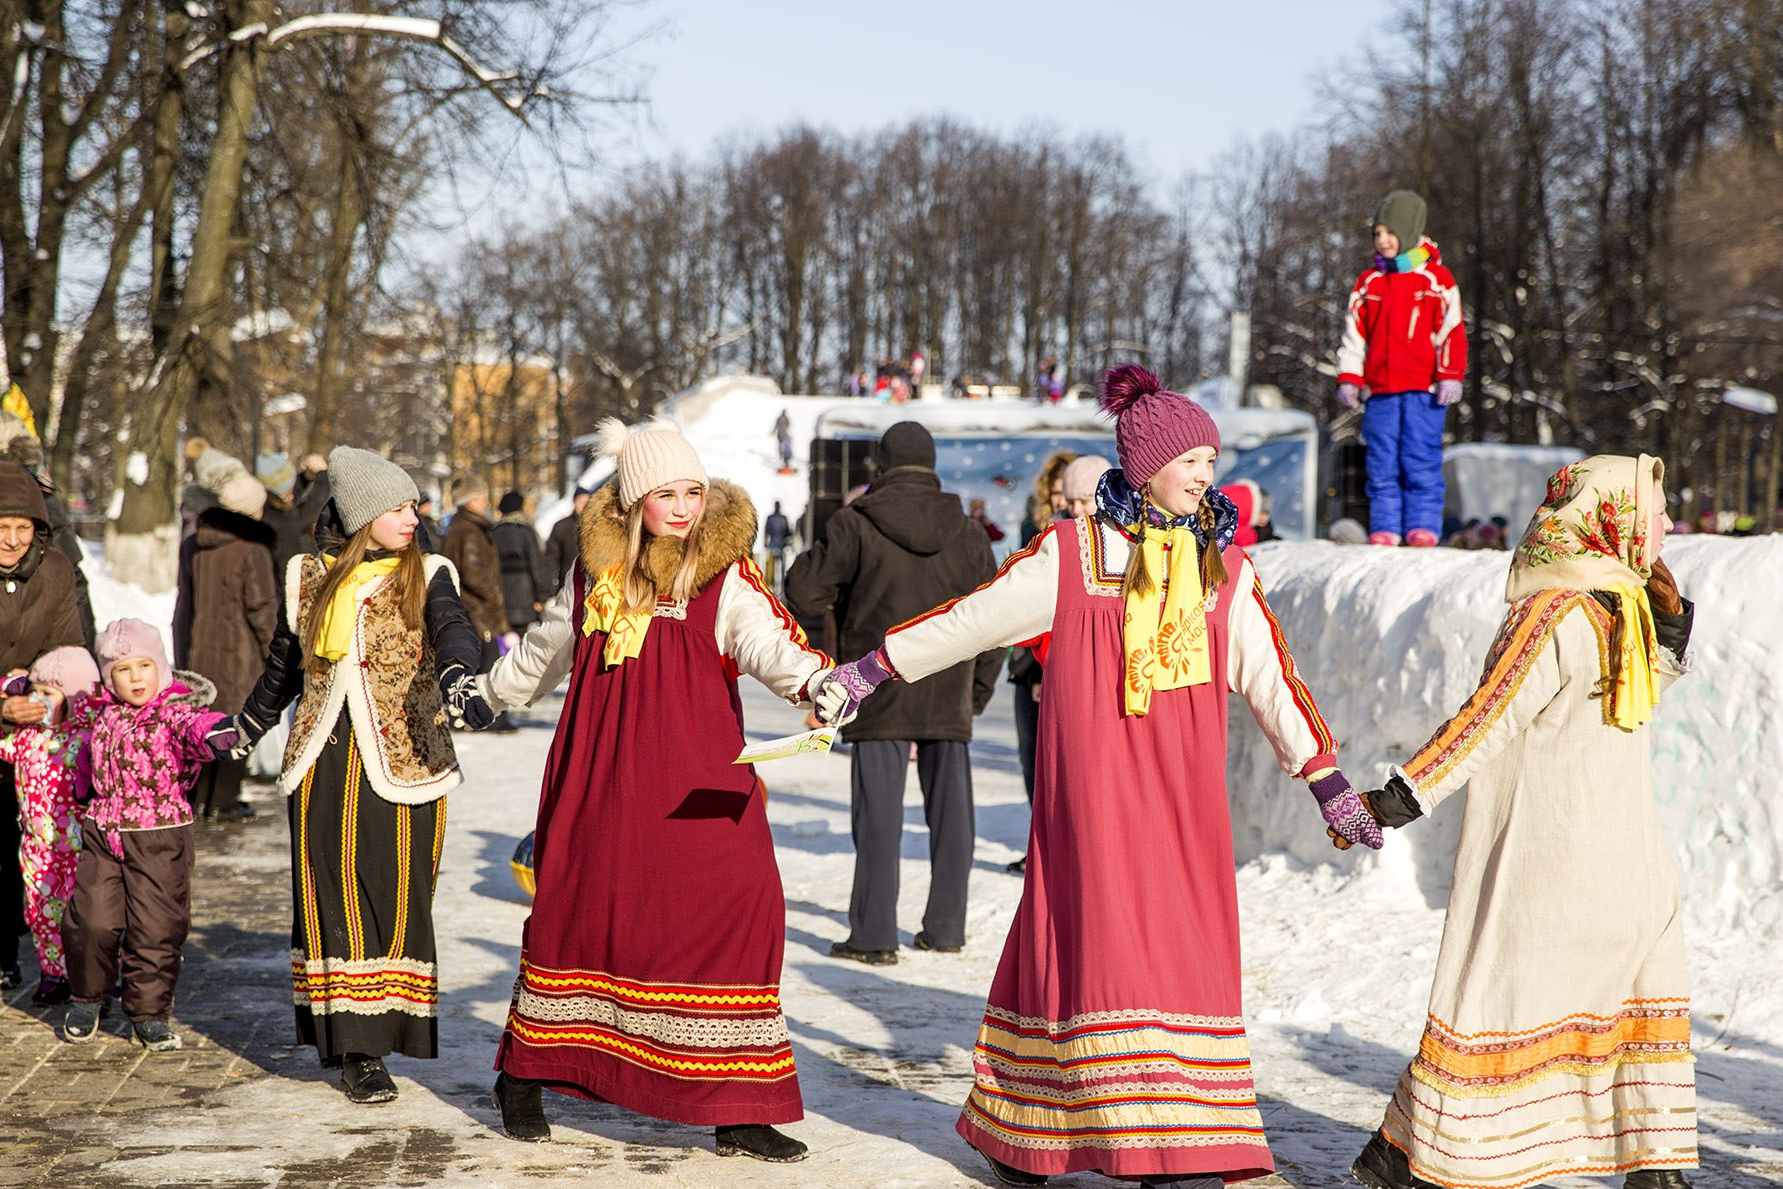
(1391, 643)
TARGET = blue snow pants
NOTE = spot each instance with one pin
(1403, 433)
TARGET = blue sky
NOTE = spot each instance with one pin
(1179, 80)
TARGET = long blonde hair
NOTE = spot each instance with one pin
(1138, 579)
(409, 581)
(641, 593)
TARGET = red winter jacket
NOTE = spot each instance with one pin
(1403, 331)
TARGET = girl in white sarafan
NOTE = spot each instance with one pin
(1558, 1037)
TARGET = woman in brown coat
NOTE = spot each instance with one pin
(37, 613)
(223, 620)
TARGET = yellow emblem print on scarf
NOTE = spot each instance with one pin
(1165, 640)
(603, 612)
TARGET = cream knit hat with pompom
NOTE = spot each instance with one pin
(649, 456)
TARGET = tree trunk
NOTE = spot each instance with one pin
(331, 354)
(146, 532)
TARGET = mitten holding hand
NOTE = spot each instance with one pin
(1662, 590)
(466, 707)
(843, 688)
(17, 684)
(1343, 810)
(224, 739)
(1350, 395)
(1448, 392)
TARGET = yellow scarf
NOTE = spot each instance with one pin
(1165, 640)
(603, 611)
(1637, 689)
(339, 618)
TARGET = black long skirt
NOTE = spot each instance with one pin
(363, 964)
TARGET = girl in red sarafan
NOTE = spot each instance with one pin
(650, 967)
(1114, 1037)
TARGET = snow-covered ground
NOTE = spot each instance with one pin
(1339, 949)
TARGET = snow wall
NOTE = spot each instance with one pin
(1391, 642)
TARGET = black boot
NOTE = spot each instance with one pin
(365, 1080)
(1383, 1166)
(522, 1108)
(1655, 1178)
(1010, 1175)
(759, 1141)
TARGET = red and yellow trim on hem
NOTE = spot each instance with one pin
(686, 1031)
(1463, 1065)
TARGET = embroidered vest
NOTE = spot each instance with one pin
(386, 681)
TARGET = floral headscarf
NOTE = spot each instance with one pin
(1591, 532)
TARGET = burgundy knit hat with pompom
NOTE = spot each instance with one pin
(1152, 425)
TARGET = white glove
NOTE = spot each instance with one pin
(834, 707)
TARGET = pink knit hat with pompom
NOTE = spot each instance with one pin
(1152, 425)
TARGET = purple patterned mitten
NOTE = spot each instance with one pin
(1344, 812)
(1448, 392)
(17, 686)
(848, 684)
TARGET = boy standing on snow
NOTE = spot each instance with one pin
(1403, 340)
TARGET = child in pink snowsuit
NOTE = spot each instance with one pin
(152, 736)
(47, 757)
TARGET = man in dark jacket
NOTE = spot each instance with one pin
(524, 585)
(37, 613)
(470, 547)
(565, 541)
(902, 548)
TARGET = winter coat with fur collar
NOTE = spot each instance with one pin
(755, 633)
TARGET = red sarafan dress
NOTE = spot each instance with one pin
(1114, 1037)
(650, 967)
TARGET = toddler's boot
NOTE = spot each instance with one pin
(155, 1035)
(80, 1023)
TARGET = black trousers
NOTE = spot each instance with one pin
(944, 770)
(1027, 731)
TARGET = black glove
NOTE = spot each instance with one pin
(1394, 805)
(467, 707)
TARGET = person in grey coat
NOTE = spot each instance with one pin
(900, 549)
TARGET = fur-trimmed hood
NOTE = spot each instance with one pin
(726, 535)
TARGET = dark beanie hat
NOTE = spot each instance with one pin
(1152, 425)
(513, 501)
(906, 444)
(1402, 213)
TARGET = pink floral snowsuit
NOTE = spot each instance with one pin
(49, 763)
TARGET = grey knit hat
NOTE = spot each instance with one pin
(367, 485)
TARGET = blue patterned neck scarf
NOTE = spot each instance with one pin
(1119, 504)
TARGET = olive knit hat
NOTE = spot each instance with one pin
(1402, 213)
(367, 485)
(1152, 425)
(649, 456)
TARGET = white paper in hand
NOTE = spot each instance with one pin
(810, 743)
